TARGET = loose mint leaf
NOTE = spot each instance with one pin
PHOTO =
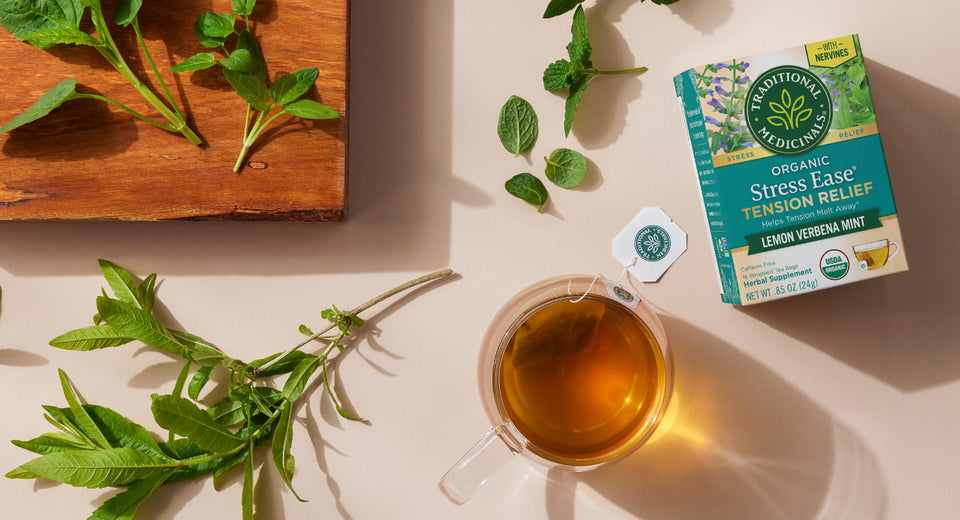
(53, 98)
(310, 109)
(96, 468)
(23, 17)
(526, 187)
(90, 338)
(127, 11)
(558, 7)
(249, 87)
(200, 61)
(258, 66)
(184, 418)
(125, 504)
(49, 37)
(121, 282)
(212, 30)
(566, 168)
(289, 87)
(557, 75)
(517, 126)
(242, 7)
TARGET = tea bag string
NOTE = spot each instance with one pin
(600, 275)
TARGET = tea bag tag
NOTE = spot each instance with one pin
(649, 244)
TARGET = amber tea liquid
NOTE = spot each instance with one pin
(581, 381)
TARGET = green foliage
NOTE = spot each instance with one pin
(46, 23)
(517, 126)
(94, 446)
(850, 90)
(565, 167)
(525, 186)
(558, 7)
(576, 73)
(245, 69)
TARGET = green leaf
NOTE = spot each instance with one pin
(557, 75)
(289, 87)
(297, 381)
(199, 61)
(310, 109)
(285, 365)
(198, 381)
(558, 7)
(197, 349)
(23, 17)
(80, 414)
(19, 472)
(242, 7)
(125, 504)
(121, 282)
(282, 440)
(90, 338)
(246, 499)
(49, 37)
(53, 98)
(579, 46)
(50, 443)
(526, 187)
(258, 66)
(139, 325)
(96, 468)
(303, 329)
(122, 432)
(517, 125)
(251, 88)
(239, 61)
(186, 419)
(146, 292)
(565, 167)
(212, 30)
(127, 11)
(573, 102)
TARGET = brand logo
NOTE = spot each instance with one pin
(652, 243)
(788, 110)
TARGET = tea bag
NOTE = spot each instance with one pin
(561, 329)
(649, 244)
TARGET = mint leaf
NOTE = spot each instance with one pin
(212, 30)
(579, 48)
(258, 66)
(23, 17)
(565, 167)
(249, 87)
(127, 11)
(517, 126)
(242, 7)
(557, 75)
(558, 7)
(310, 109)
(289, 87)
(526, 187)
(573, 101)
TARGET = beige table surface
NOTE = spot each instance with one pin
(841, 404)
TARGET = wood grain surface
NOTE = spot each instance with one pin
(90, 161)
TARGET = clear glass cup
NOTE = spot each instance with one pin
(606, 360)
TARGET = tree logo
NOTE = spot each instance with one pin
(788, 110)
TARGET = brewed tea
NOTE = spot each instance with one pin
(581, 380)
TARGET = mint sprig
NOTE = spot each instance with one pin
(577, 72)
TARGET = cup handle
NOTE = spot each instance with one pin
(490, 453)
(895, 252)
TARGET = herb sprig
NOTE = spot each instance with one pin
(558, 7)
(577, 72)
(96, 447)
(246, 71)
(45, 23)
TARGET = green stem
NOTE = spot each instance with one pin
(624, 71)
(112, 54)
(156, 71)
(366, 305)
(134, 113)
(254, 134)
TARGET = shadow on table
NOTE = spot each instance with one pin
(400, 183)
(900, 328)
(738, 442)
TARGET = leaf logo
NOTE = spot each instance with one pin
(652, 243)
(790, 112)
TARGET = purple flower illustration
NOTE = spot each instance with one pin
(712, 121)
(723, 144)
(744, 79)
(835, 92)
(722, 66)
(743, 66)
(715, 103)
(716, 80)
(830, 83)
(721, 91)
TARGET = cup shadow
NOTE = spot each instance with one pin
(737, 442)
(898, 328)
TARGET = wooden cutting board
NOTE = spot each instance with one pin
(90, 161)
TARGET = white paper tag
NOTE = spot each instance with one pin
(649, 244)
